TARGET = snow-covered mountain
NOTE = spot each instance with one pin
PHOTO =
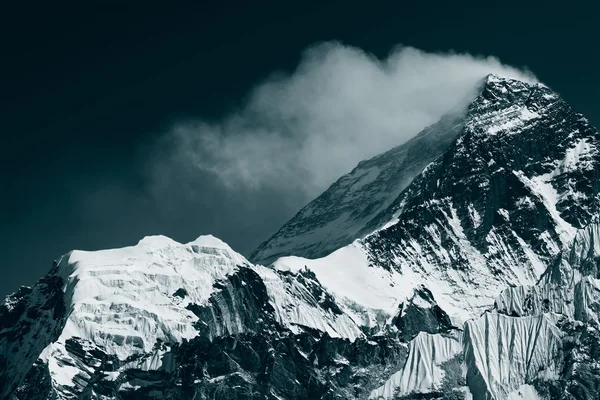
(351, 206)
(463, 264)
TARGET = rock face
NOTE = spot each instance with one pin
(351, 206)
(464, 264)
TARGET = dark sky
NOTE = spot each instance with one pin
(87, 90)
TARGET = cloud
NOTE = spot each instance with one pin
(298, 132)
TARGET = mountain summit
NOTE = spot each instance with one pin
(460, 265)
(357, 203)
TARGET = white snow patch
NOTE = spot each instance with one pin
(347, 275)
(524, 392)
(541, 186)
(292, 310)
(475, 217)
(420, 302)
(525, 202)
(504, 213)
(421, 372)
(111, 376)
(578, 157)
(510, 119)
(61, 366)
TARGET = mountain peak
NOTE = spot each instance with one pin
(505, 89)
(493, 78)
(361, 201)
(495, 89)
(157, 241)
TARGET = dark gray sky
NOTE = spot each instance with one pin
(101, 106)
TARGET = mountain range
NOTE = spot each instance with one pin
(463, 264)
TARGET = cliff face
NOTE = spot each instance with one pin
(461, 265)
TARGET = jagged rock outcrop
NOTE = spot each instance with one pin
(421, 313)
(29, 319)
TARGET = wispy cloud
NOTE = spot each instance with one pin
(299, 132)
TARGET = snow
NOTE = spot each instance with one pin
(542, 188)
(393, 220)
(528, 300)
(292, 309)
(361, 289)
(524, 392)
(372, 294)
(537, 265)
(353, 279)
(122, 299)
(563, 289)
(501, 352)
(422, 372)
(578, 157)
(61, 366)
(462, 292)
(586, 243)
(504, 213)
(510, 119)
(157, 242)
(475, 217)
(421, 302)
(10, 303)
(62, 374)
(111, 376)
(525, 202)
(353, 206)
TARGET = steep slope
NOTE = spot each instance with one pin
(345, 210)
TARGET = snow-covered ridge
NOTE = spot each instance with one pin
(124, 299)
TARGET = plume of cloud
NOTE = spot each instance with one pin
(245, 175)
(299, 132)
